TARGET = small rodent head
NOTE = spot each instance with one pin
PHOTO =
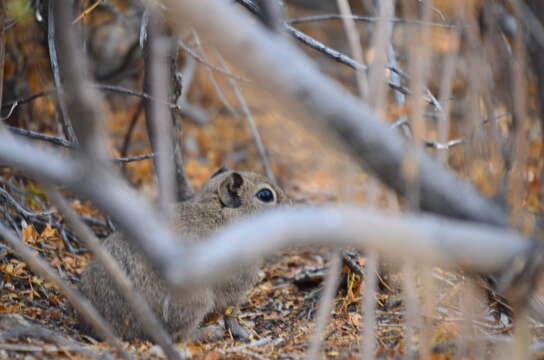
(243, 190)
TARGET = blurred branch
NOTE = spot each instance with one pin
(106, 190)
(426, 239)
(433, 240)
(356, 48)
(272, 14)
(158, 49)
(326, 304)
(3, 19)
(368, 335)
(302, 88)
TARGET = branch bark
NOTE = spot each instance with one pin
(427, 239)
(159, 121)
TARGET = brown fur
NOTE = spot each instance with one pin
(226, 196)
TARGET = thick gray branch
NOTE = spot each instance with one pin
(301, 85)
(434, 240)
(83, 102)
(424, 238)
(101, 185)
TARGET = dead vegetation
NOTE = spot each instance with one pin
(457, 80)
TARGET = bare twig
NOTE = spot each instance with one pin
(125, 160)
(52, 32)
(215, 85)
(190, 111)
(412, 306)
(130, 129)
(39, 136)
(481, 248)
(76, 299)
(251, 123)
(105, 87)
(381, 42)
(446, 85)
(6, 195)
(326, 305)
(35, 331)
(83, 102)
(369, 307)
(355, 46)
(334, 54)
(52, 349)
(206, 63)
(368, 19)
(158, 119)
(64, 143)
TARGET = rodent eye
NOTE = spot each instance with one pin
(265, 195)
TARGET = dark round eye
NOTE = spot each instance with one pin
(265, 195)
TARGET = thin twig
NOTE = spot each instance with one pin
(52, 32)
(214, 83)
(130, 129)
(369, 307)
(48, 349)
(368, 19)
(206, 63)
(40, 136)
(36, 331)
(6, 195)
(64, 143)
(157, 117)
(381, 43)
(325, 306)
(125, 160)
(187, 110)
(355, 46)
(249, 119)
(334, 54)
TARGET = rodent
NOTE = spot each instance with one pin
(227, 195)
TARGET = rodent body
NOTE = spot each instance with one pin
(226, 196)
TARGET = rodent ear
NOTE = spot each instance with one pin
(230, 189)
(221, 170)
